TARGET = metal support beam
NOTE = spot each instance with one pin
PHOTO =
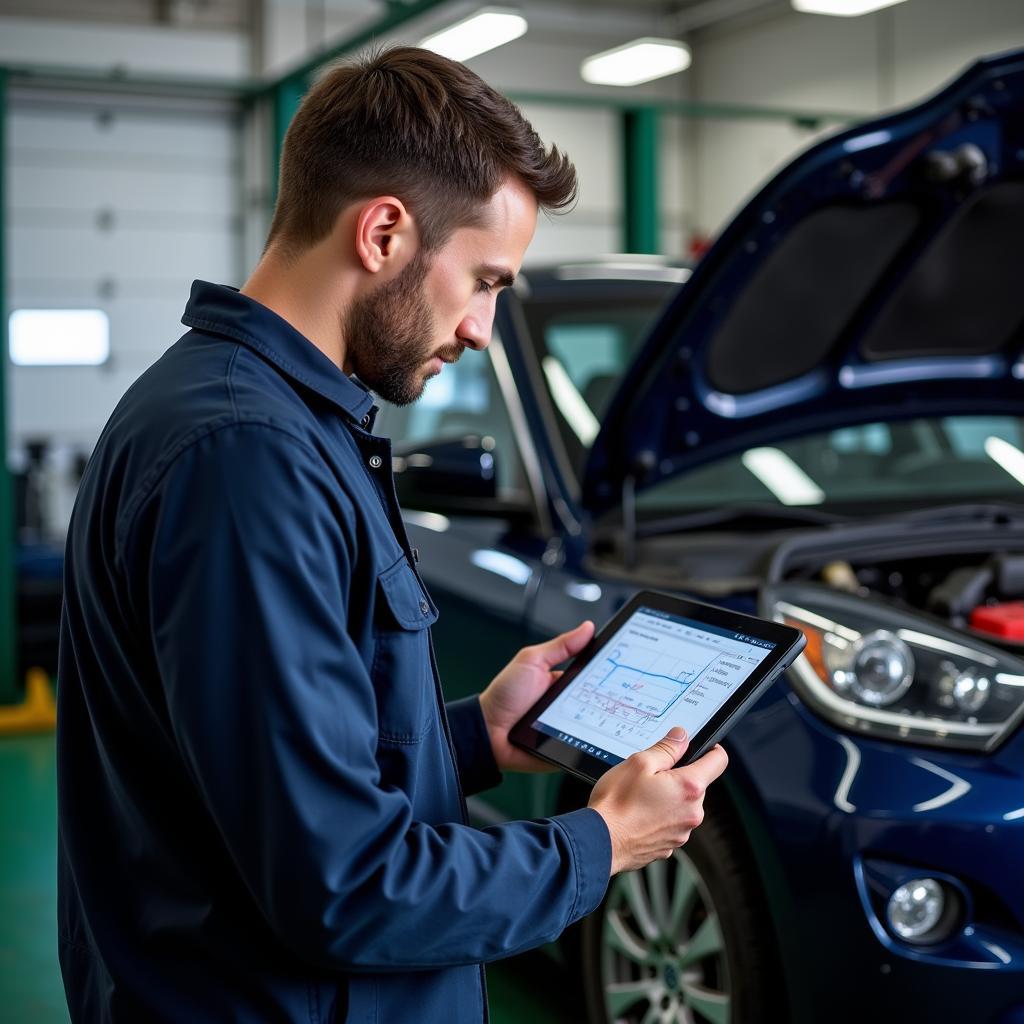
(640, 180)
(9, 688)
(398, 14)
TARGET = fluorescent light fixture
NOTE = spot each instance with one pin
(489, 28)
(842, 8)
(783, 477)
(1006, 455)
(59, 337)
(642, 60)
(571, 403)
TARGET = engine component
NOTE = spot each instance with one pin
(965, 590)
(1004, 620)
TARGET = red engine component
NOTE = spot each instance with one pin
(1005, 620)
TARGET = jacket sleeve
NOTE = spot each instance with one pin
(477, 768)
(250, 551)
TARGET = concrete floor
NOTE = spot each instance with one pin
(30, 985)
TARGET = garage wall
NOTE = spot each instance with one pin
(861, 65)
(106, 204)
(113, 202)
(547, 60)
(206, 53)
(117, 203)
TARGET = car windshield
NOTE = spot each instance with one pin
(584, 349)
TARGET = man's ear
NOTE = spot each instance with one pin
(386, 236)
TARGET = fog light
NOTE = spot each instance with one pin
(915, 909)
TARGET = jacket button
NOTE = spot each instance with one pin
(365, 421)
(376, 461)
(424, 607)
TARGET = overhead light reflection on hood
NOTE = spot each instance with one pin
(783, 477)
(1007, 456)
(570, 402)
(502, 565)
(429, 520)
(958, 787)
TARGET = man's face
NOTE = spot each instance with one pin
(401, 334)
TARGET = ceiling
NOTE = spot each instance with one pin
(685, 15)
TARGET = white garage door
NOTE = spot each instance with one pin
(113, 203)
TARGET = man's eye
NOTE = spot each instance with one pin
(483, 286)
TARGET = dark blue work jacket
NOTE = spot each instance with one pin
(260, 808)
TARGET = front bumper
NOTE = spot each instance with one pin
(834, 818)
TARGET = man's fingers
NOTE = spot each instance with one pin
(706, 769)
(562, 647)
(663, 755)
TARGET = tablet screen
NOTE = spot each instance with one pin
(658, 670)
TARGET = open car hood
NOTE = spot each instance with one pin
(879, 276)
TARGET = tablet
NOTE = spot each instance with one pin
(662, 661)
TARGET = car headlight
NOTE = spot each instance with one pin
(869, 667)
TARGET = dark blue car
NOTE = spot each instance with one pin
(822, 425)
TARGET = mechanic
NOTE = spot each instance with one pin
(261, 793)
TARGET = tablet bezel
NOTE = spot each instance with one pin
(577, 761)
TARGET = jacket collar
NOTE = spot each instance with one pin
(221, 309)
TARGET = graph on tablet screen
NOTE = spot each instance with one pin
(657, 671)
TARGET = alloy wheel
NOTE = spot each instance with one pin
(663, 957)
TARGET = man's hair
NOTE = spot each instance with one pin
(409, 123)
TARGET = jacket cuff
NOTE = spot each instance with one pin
(477, 768)
(591, 847)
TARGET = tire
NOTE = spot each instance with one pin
(685, 940)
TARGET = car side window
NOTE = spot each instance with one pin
(463, 399)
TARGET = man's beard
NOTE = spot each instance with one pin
(389, 335)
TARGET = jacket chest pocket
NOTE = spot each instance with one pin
(402, 674)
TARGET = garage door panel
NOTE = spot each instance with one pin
(208, 189)
(179, 255)
(65, 402)
(104, 130)
(118, 211)
(88, 291)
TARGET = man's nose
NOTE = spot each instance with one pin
(475, 331)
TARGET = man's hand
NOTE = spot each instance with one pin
(650, 807)
(518, 686)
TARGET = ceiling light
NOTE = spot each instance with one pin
(490, 27)
(842, 8)
(642, 60)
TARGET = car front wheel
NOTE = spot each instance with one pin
(682, 941)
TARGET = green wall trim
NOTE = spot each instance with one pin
(699, 109)
(286, 99)
(75, 78)
(10, 689)
(59, 76)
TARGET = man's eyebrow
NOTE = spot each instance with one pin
(501, 275)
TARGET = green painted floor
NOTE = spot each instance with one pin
(527, 989)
